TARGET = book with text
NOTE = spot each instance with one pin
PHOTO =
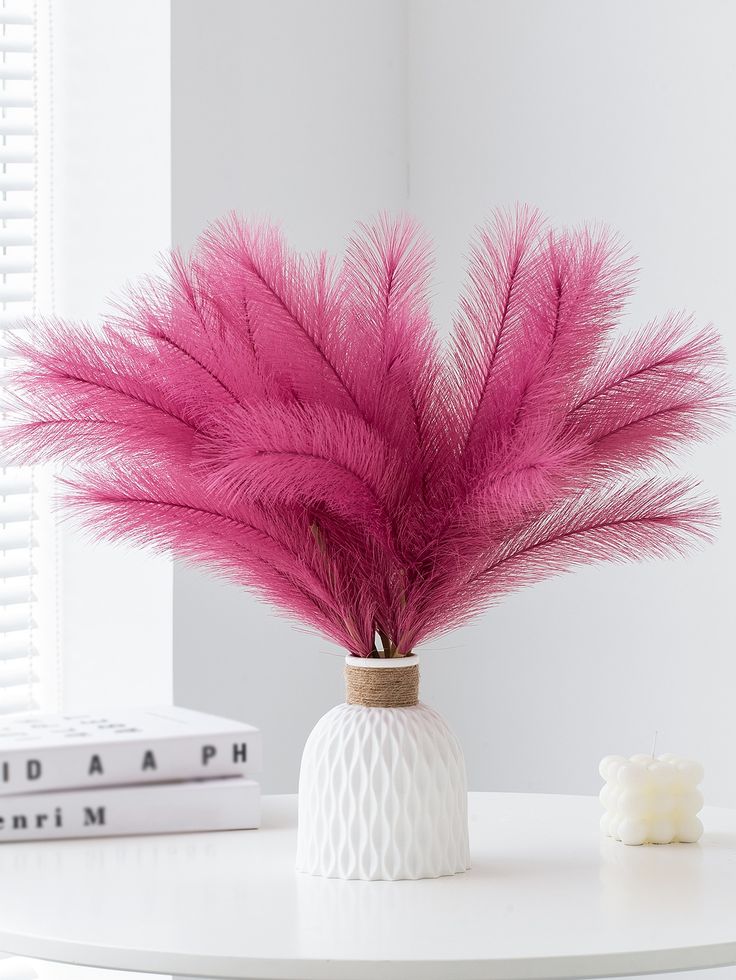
(122, 745)
(158, 808)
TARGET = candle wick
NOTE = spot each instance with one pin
(654, 743)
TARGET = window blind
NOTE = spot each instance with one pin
(18, 533)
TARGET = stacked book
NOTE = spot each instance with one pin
(126, 771)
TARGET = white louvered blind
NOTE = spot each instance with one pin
(18, 537)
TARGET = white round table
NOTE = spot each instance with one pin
(547, 897)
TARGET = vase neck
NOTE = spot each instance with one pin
(376, 683)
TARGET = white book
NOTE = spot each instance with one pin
(157, 808)
(120, 746)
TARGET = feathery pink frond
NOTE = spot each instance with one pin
(290, 311)
(300, 429)
(493, 345)
(650, 393)
(392, 356)
(311, 456)
(277, 554)
(582, 280)
(655, 519)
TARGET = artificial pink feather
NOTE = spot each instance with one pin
(300, 429)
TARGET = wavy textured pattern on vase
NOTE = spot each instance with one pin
(382, 796)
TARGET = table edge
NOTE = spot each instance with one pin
(563, 967)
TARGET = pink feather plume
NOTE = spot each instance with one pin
(299, 428)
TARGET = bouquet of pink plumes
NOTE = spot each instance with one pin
(301, 429)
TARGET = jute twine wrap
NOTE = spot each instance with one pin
(378, 688)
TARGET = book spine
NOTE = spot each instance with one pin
(211, 804)
(146, 761)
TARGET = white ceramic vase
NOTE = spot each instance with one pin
(382, 792)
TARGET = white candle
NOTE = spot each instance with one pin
(651, 801)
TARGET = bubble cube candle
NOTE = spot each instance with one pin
(651, 800)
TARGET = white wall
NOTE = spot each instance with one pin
(111, 181)
(315, 114)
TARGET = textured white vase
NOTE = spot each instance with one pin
(382, 793)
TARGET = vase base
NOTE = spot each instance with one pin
(382, 796)
(401, 877)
